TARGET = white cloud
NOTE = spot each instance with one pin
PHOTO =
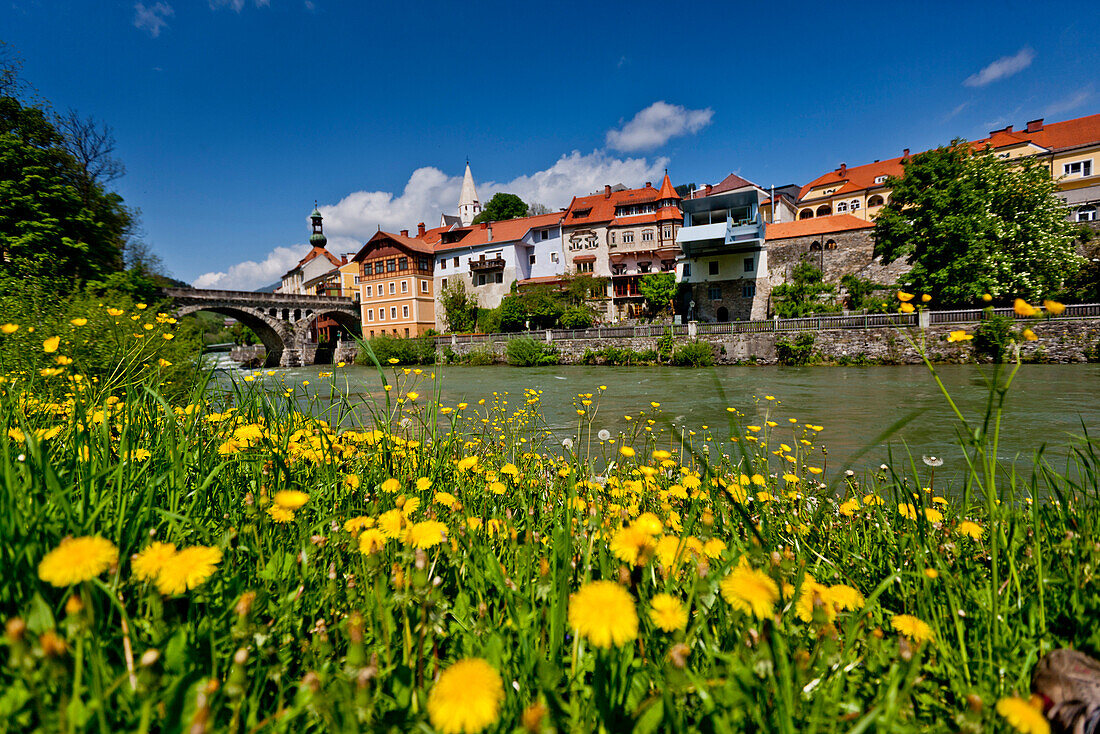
(429, 191)
(250, 274)
(1002, 68)
(152, 18)
(237, 5)
(656, 124)
(1072, 102)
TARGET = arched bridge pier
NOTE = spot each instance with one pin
(281, 321)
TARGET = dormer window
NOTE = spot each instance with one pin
(581, 213)
(880, 179)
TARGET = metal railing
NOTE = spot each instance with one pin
(806, 323)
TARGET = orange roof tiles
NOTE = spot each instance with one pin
(602, 207)
(817, 225)
(855, 178)
(317, 252)
(508, 230)
(667, 191)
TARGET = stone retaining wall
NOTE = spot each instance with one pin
(1058, 342)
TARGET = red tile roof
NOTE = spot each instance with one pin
(667, 191)
(817, 225)
(410, 243)
(603, 207)
(856, 178)
(508, 230)
(317, 252)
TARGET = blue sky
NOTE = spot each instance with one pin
(232, 116)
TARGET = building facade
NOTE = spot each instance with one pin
(396, 288)
(317, 262)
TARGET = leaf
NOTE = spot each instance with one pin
(40, 617)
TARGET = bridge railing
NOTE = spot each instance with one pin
(807, 323)
(254, 296)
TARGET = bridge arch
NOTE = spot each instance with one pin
(276, 335)
(345, 320)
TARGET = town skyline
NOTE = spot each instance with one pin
(227, 151)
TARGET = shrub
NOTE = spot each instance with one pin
(416, 350)
(526, 352)
(459, 308)
(992, 337)
(619, 356)
(797, 352)
(479, 358)
(694, 354)
(664, 345)
(488, 320)
(576, 317)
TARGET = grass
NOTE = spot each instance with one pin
(425, 534)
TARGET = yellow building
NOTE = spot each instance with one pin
(396, 291)
(1070, 149)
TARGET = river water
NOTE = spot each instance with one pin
(1048, 404)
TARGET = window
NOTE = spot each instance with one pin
(379, 268)
(481, 278)
(544, 234)
(880, 179)
(806, 214)
(500, 277)
(391, 266)
(854, 205)
(404, 312)
(841, 206)
(456, 262)
(687, 270)
(647, 236)
(876, 200)
(628, 237)
(714, 293)
(369, 294)
(422, 263)
(748, 264)
(553, 257)
(585, 267)
(404, 286)
(443, 264)
(748, 290)
(1086, 214)
(612, 238)
(668, 233)
(713, 267)
(531, 259)
(1083, 168)
(393, 287)
(423, 286)
(403, 263)
(370, 314)
(824, 210)
(406, 331)
(581, 213)
(393, 313)
(381, 314)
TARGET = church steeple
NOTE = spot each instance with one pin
(317, 239)
(468, 205)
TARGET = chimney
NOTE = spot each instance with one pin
(607, 191)
(843, 169)
(1035, 126)
(484, 225)
(649, 184)
(420, 230)
(905, 154)
(404, 233)
(709, 187)
(490, 229)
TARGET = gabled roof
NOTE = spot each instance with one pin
(601, 207)
(411, 244)
(317, 252)
(503, 232)
(1055, 136)
(856, 178)
(814, 226)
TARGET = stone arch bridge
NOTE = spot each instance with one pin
(281, 321)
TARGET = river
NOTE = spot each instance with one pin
(1048, 404)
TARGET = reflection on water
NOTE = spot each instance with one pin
(1048, 404)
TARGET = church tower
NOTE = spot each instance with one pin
(468, 205)
(317, 238)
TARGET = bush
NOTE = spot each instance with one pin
(488, 320)
(992, 337)
(416, 350)
(576, 317)
(664, 345)
(479, 358)
(798, 352)
(526, 352)
(693, 354)
(618, 356)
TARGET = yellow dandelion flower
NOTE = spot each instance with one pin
(932, 515)
(1029, 335)
(371, 540)
(633, 545)
(391, 485)
(714, 547)
(849, 507)
(750, 591)
(907, 308)
(426, 534)
(1054, 308)
(115, 311)
(355, 524)
(445, 498)
(147, 564)
(925, 298)
(844, 597)
(1023, 308)
(913, 628)
(667, 613)
(168, 337)
(77, 559)
(391, 523)
(9, 328)
(466, 698)
(626, 451)
(187, 569)
(603, 613)
(907, 511)
(959, 336)
(280, 514)
(1022, 716)
(904, 297)
(50, 345)
(290, 499)
(971, 529)
(423, 484)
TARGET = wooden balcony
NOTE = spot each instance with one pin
(484, 264)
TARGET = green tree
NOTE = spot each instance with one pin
(502, 206)
(805, 293)
(54, 219)
(459, 307)
(968, 224)
(658, 289)
(513, 313)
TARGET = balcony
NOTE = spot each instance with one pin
(484, 264)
